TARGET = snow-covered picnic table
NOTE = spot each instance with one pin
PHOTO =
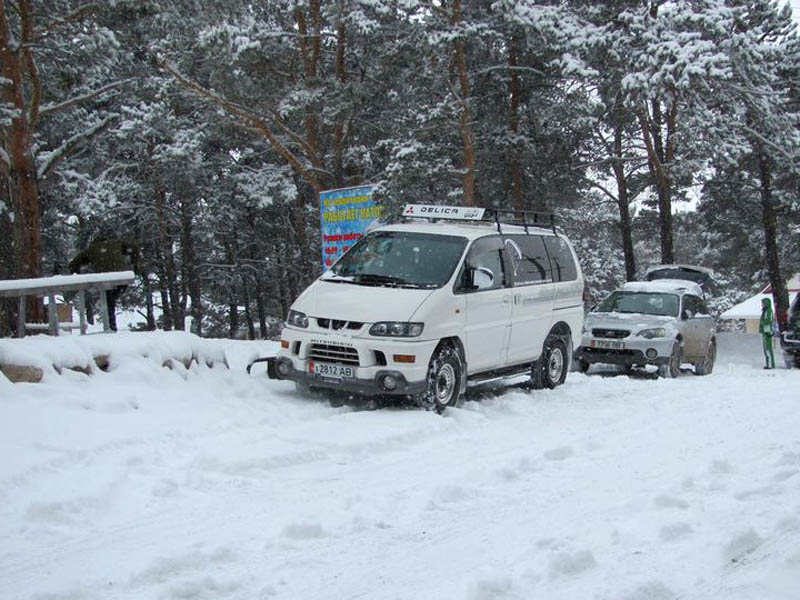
(59, 284)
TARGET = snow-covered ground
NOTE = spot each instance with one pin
(146, 482)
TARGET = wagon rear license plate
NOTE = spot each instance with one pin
(608, 344)
(330, 370)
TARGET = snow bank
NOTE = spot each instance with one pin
(54, 354)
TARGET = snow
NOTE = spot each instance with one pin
(64, 281)
(663, 285)
(67, 352)
(751, 308)
(146, 482)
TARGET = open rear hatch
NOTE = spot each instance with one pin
(699, 275)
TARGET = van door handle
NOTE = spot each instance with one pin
(506, 299)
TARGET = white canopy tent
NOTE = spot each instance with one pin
(749, 311)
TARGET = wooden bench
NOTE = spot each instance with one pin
(58, 284)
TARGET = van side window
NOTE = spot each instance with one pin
(564, 268)
(483, 269)
(530, 263)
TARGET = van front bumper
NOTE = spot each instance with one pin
(377, 372)
(377, 385)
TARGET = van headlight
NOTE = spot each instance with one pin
(656, 332)
(396, 329)
(297, 318)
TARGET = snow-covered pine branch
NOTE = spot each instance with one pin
(50, 159)
(69, 103)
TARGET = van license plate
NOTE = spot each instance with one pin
(608, 344)
(329, 370)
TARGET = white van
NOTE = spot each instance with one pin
(423, 308)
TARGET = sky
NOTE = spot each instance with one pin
(796, 9)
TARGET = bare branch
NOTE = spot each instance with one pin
(51, 108)
(603, 189)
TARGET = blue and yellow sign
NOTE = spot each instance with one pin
(346, 214)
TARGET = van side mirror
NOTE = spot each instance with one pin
(475, 278)
(482, 278)
(687, 314)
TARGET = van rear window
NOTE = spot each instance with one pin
(561, 258)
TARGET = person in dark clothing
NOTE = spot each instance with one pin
(765, 329)
(102, 256)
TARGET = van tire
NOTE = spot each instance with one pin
(550, 370)
(443, 380)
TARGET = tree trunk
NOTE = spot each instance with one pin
(261, 308)
(248, 315)
(623, 196)
(8, 309)
(19, 70)
(660, 155)
(514, 92)
(168, 260)
(191, 276)
(465, 119)
(233, 316)
(780, 294)
(148, 302)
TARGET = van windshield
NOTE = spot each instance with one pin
(645, 303)
(400, 259)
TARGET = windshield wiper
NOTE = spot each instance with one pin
(375, 279)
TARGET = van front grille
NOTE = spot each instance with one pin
(337, 324)
(614, 334)
(334, 353)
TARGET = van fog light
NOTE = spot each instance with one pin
(651, 353)
(389, 383)
(283, 368)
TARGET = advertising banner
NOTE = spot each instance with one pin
(346, 214)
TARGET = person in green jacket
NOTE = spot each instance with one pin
(765, 329)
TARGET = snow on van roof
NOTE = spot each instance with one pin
(470, 230)
(664, 285)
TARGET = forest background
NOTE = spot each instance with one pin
(202, 131)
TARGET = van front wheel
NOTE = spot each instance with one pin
(552, 365)
(443, 381)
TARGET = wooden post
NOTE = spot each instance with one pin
(82, 310)
(52, 314)
(21, 317)
(104, 310)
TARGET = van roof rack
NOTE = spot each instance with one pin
(499, 216)
(525, 218)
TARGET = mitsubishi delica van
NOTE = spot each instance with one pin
(446, 298)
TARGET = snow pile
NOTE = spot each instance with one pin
(55, 354)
